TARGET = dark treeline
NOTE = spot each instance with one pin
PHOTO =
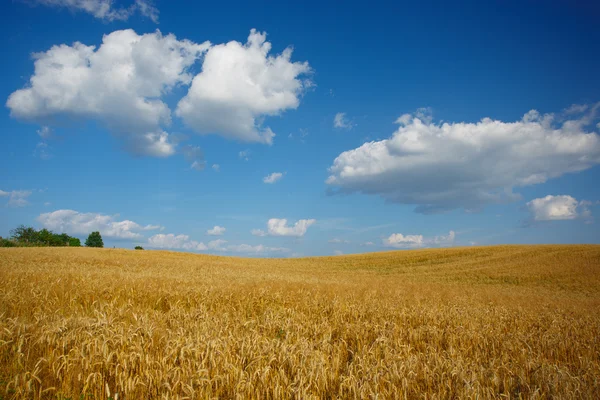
(28, 236)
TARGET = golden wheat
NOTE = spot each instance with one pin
(506, 321)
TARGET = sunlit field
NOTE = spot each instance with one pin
(502, 322)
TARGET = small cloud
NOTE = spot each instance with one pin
(425, 114)
(16, 198)
(272, 178)
(183, 242)
(104, 9)
(171, 241)
(338, 252)
(258, 249)
(216, 167)
(301, 135)
(42, 151)
(45, 132)
(245, 154)
(338, 241)
(400, 241)
(279, 227)
(557, 208)
(216, 231)
(340, 121)
(194, 156)
(368, 244)
(576, 109)
(46, 204)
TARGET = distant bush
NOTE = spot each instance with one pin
(74, 242)
(7, 243)
(94, 240)
(139, 248)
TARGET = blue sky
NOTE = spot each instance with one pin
(395, 126)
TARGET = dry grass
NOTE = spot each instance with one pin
(488, 322)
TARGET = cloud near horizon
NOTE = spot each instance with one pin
(279, 227)
(76, 223)
(400, 241)
(183, 242)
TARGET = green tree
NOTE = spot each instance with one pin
(94, 240)
(74, 242)
(64, 239)
(25, 234)
(139, 248)
(45, 237)
(6, 242)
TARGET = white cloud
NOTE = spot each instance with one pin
(340, 121)
(245, 154)
(444, 240)
(279, 227)
(445, 166)
(216, 245)
(76, 223)
(272, 178)
(338, 252)
(576, 109)
(119, 84)
(368, 244)
(336, 240)
(147, 9)
(216, 231)
(104, 9)
(44, 132)
(398, 240)
(239, 85)
(42, 151)
(183, 242)
(171, 241)
(562, 207)
(216, 167)
(258, 249)
(194, 156)
(16, 198)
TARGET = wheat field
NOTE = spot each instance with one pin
(483, 322)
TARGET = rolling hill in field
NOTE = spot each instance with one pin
(443, 323)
